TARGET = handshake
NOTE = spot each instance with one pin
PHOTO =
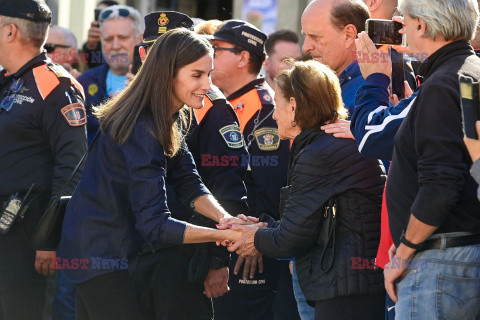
(242, 234)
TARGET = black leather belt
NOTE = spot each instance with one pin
(461, 241)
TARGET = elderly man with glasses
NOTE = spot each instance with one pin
(120, 30)
(61, 47)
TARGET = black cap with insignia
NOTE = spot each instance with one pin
(157, 23)
(242, 34)
(34, 10)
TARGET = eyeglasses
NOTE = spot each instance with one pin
(234, 50)
(10, 94)
(122, 12)
(50, 47)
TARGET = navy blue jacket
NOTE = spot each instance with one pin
(323, 167)
(375, 121)
(120, 203)
(94, 84)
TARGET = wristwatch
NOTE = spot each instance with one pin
(410, 244)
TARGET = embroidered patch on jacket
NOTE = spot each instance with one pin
(267, 139)
(92, 89)
(75, 114)
(232, 136)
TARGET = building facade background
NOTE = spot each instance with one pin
(77, 15)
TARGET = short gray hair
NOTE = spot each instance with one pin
(453, 19)
(68, 36)
(33, 32)
(134, 16)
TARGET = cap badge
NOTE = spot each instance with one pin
(162, 22)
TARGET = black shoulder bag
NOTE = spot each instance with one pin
(46, 236)
(325, 240)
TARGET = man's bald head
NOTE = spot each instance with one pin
(59, 35)
(381, 9)
(340, 12)
(330, 28)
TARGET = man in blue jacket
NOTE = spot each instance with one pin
(120, 30)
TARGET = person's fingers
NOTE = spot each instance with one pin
(253, 267)
(260, 263)
(246, 267)
(368, 44)
(394, 99)
(38, 266)
(242, 217)
(408, 90)
(392, 251)
(256, 225)
(234, 246)
(344, 135)
(45, 268)
(238, 265)
(390, 288)
(253, 219)
(222, 226)
(477, 125)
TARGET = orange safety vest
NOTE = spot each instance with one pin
(250, 99)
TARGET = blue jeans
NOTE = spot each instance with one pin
(64, 302)
(441, 284)
(305, 311)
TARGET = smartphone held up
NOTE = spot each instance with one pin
(384, 31)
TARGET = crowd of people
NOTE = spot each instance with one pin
(219, 173)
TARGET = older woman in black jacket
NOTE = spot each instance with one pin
(331, 217)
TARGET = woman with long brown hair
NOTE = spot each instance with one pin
(120, 202)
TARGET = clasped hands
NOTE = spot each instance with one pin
(245, 227)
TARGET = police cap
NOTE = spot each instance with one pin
(242, 34)
(157, 23)
(34, 10)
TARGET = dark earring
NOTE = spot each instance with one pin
(293, 124)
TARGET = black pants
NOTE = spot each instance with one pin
(107, 297)
(163, 289)
(352, 308)
(269, 296)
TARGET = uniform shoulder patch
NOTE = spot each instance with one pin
(232, 136)
(75, 114)
(265, 96)
(215, 95)
(267, 138)
(59, 71)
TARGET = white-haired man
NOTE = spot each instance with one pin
(120, 30)
(61, 47)
(432, 202)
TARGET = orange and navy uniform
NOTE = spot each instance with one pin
(43, 138)
(266, 175)
(267, 172)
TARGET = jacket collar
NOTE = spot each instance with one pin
(247, 88)
(351, 72)
(299, 143)
(442, 55)
(35, 62)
